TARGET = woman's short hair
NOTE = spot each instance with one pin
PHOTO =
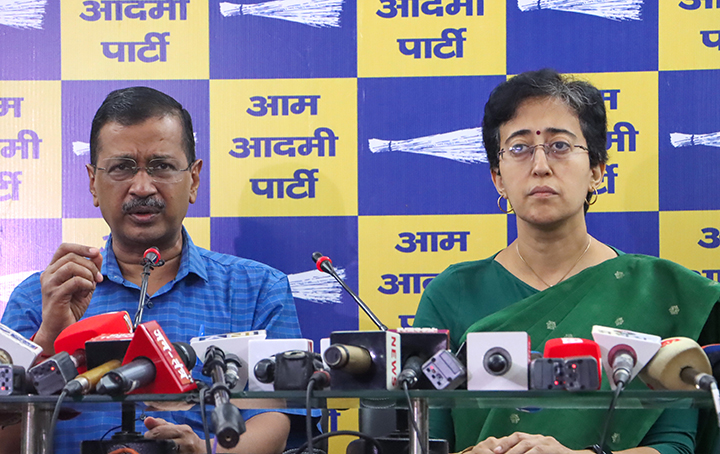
(580, 96)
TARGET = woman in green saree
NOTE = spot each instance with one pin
(545, 137)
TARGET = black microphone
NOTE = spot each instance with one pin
(226, 417)
(412, 371)
(151, 259)
(141, 371)
(324, 264)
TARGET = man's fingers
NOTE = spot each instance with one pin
(71, 270)
(151, 422)
(68, 265)
(87, 256)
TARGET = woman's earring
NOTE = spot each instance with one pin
(593, 199)
(510, 208)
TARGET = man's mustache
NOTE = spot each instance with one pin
(134, 204)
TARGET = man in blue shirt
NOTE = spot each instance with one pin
(143, 175)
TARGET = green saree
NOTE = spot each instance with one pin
(634, 292)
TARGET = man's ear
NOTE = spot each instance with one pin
(195, 175)
(91, 176)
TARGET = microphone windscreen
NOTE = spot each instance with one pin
(153, 255)
(73, 337)
(675, 354)
(187, 354)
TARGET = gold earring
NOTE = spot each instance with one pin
(510, 208)
(593, 200)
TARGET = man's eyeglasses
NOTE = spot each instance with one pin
(160, 170)
(556, 151)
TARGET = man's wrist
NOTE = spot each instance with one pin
(45, 342)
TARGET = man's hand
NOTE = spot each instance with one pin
(266, 434)
(521, 443)
(188, 442)
(67, 287)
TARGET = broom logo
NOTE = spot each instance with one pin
(22, 14)
(316, 287)
(315, 13)
(678, 139)
(464, 145)
(618, 10)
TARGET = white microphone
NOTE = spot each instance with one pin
(624, 353)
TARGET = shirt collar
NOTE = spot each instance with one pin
(190, 261)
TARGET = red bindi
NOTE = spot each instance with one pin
(537, 132)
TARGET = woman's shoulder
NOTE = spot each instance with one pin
(470, 267)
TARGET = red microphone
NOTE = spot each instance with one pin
(152, 256)
(50, 376)
(568, 363)
(73, 338)
(573, 347)
(152, 365)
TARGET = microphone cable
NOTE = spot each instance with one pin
(325, 436)
(53, 421)
(321, 379)
(600, 448)
(203, 415)
(308, 415)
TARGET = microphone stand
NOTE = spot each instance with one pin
(324, 264)
(148, 266)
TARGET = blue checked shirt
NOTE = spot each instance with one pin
(221, 292)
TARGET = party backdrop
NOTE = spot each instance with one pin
(352, 127)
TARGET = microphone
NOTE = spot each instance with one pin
(419, 345)
(444, 370)
(680, 364)
(568, 363)
(151, 259)
(226, 417)
(573, 347)
(363, 359)
(235, 343)
(349, 358)
(324, 264)
(152, 365)
(624, 353)
(412, 371)
(498, 361)
(86, 382)
(73, 338)
(51, 376)
(16, 350)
